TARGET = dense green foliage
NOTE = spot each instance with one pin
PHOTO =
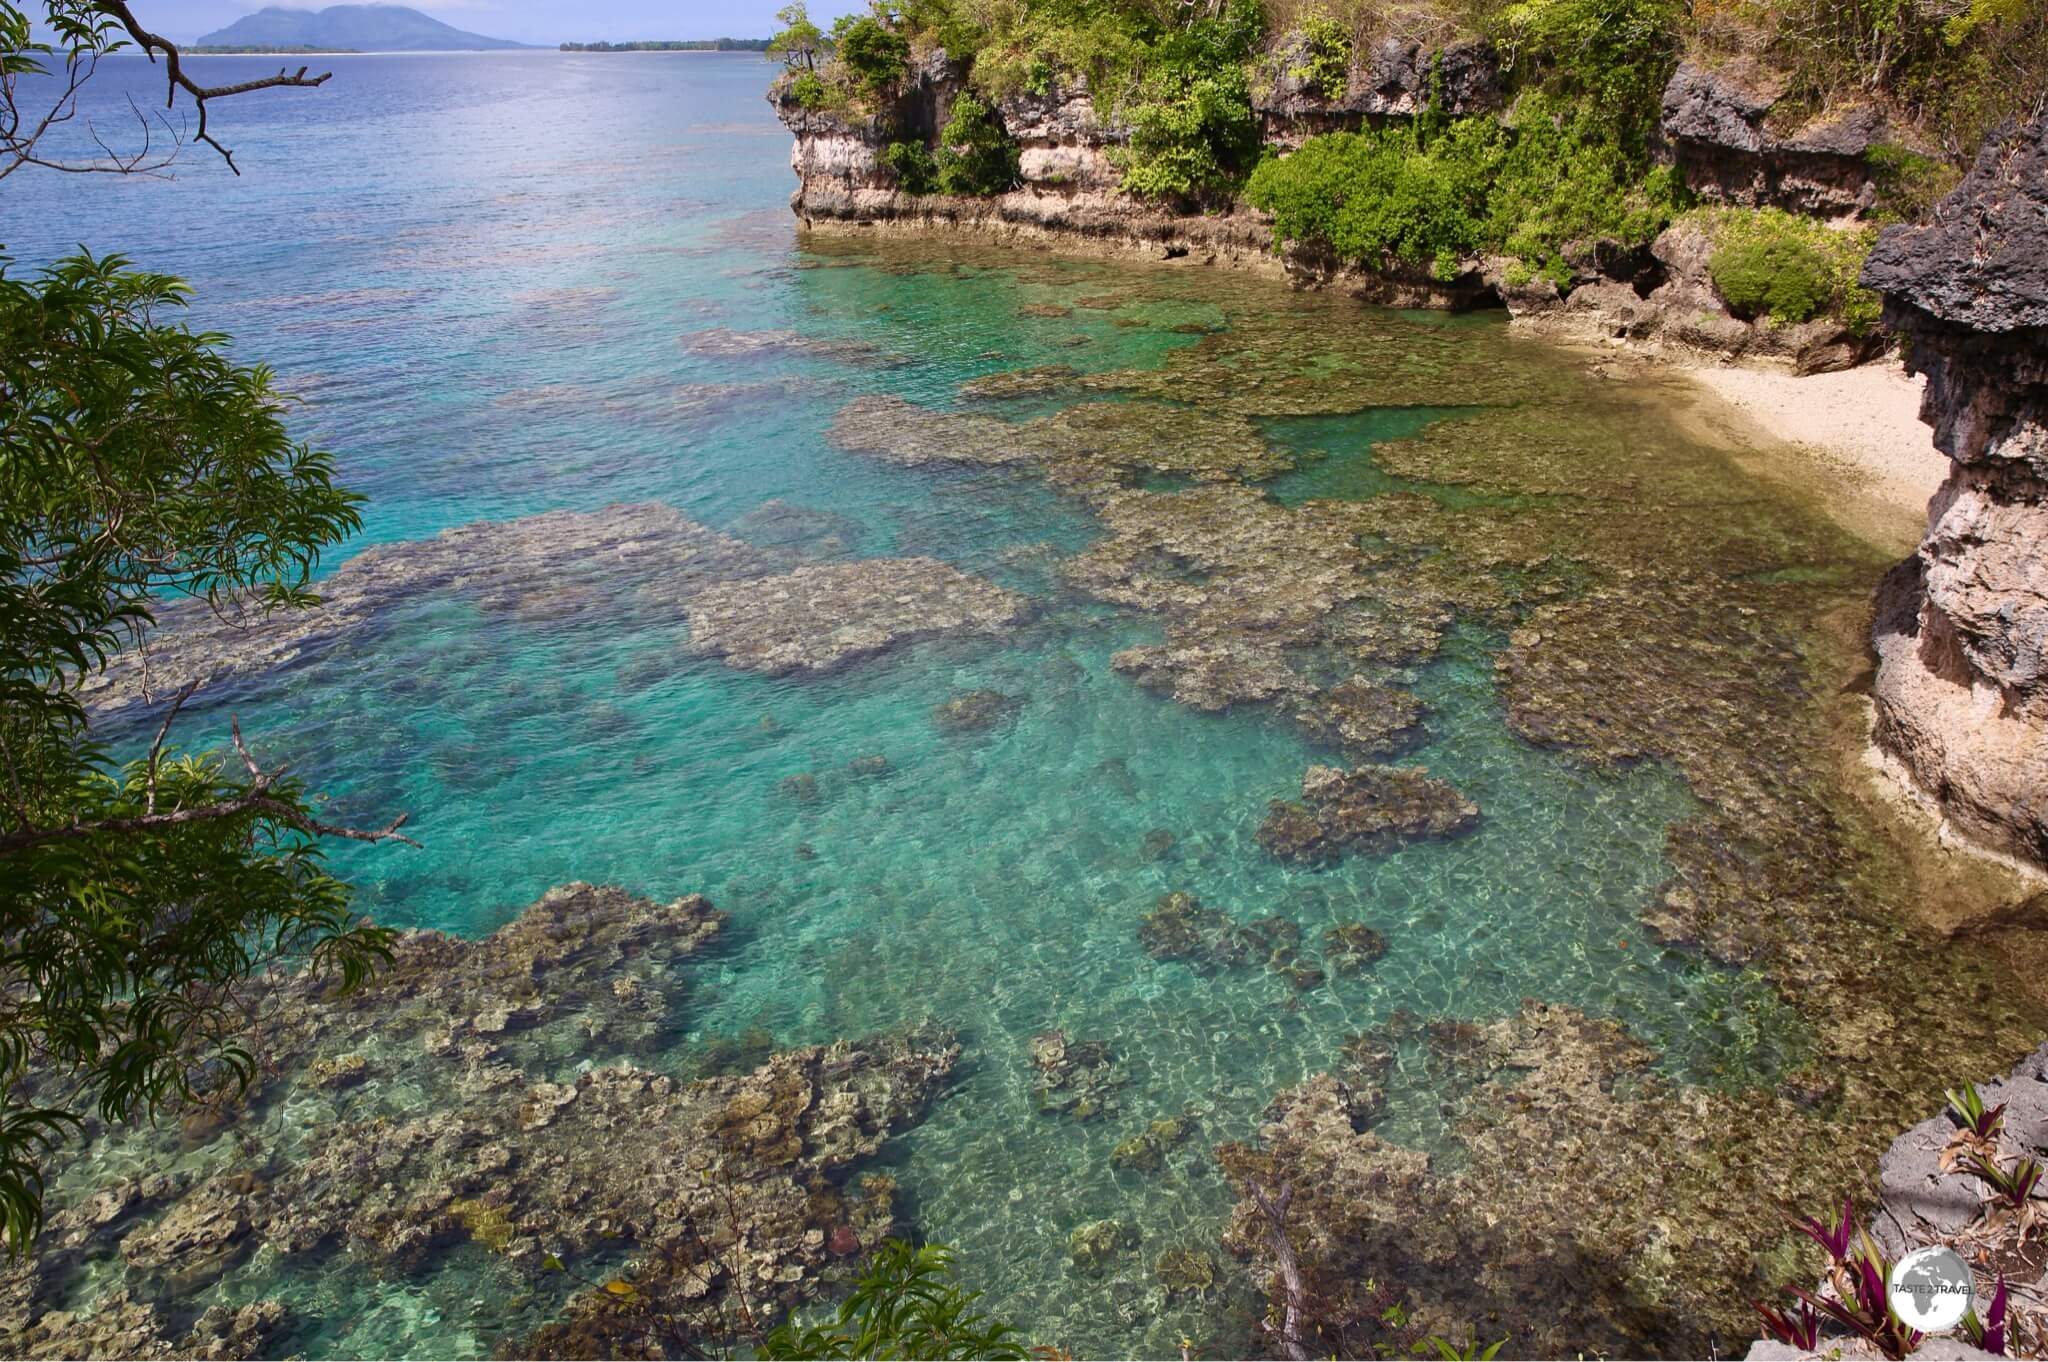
(1326, 44)
(872, 50)
(799, 42)
(1189, 107)
(1610, 58)
(1768, 262)
(906, 1305)
(1572, 166)
(1953, 70)
(136, 462)
(1440, 191)
(974, 156)
(1386, 197)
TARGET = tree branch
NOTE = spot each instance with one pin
(258, 799)
(176, 79)
(1294, 1293)
(156, 749)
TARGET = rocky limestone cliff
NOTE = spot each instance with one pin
(1721, 126)
(1067, 190)
(1962, 628)
(1394, 79)
(1722, 122)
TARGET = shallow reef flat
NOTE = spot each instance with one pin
(1652, 605)
(759, 608)
(491, 1094)
(1274, 742)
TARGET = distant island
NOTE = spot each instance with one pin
(692, 45)
(200, 50)
(346, 28)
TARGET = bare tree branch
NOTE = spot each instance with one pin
(176, 79)
(1293, 1291)
(20, 134)
(156, 748)
(257, 799)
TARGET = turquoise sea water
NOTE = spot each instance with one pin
(483, 273)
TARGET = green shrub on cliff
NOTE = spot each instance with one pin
(1189, 109)
(1768, 262)
(1441, 191)
(1326, 54)
(1386, 197)
(975, 156)
(1609, 58)
(913, 165)
(872, 51)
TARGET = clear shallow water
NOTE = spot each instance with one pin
(482, 273)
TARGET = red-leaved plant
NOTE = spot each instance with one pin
(1857, 1272)
(1798, 1327)
(1988, 1333)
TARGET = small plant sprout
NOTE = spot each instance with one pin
(1968, 1109)
(1988, 1333)
(2013, 1191)
(1977, 1127)
(1798, 1327)
(1470, 1352)
(1836, 1239)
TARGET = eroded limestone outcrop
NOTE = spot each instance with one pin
(1394, 78)
(1719, 122)
(1962, 627)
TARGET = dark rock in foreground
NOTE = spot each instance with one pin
(1369, 808)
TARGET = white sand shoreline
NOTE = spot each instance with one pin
(1860, 428)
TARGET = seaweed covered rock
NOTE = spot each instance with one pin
(1362, 717)
(1087, 446)
(492, 1099)
(1962, 627)
(1076, 1078)
(1367, 809)
(1092, 1247)
(1353, 947)
(975, 711)
(819, 618)
(1180, 928)
(1146, 1151)
(1664, 1255)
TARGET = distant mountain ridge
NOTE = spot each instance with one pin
(359, 28)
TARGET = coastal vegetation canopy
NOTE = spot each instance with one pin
(1571, 158)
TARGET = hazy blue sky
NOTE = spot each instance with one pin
(531, 21)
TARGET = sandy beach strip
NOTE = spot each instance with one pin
(1860, 429)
